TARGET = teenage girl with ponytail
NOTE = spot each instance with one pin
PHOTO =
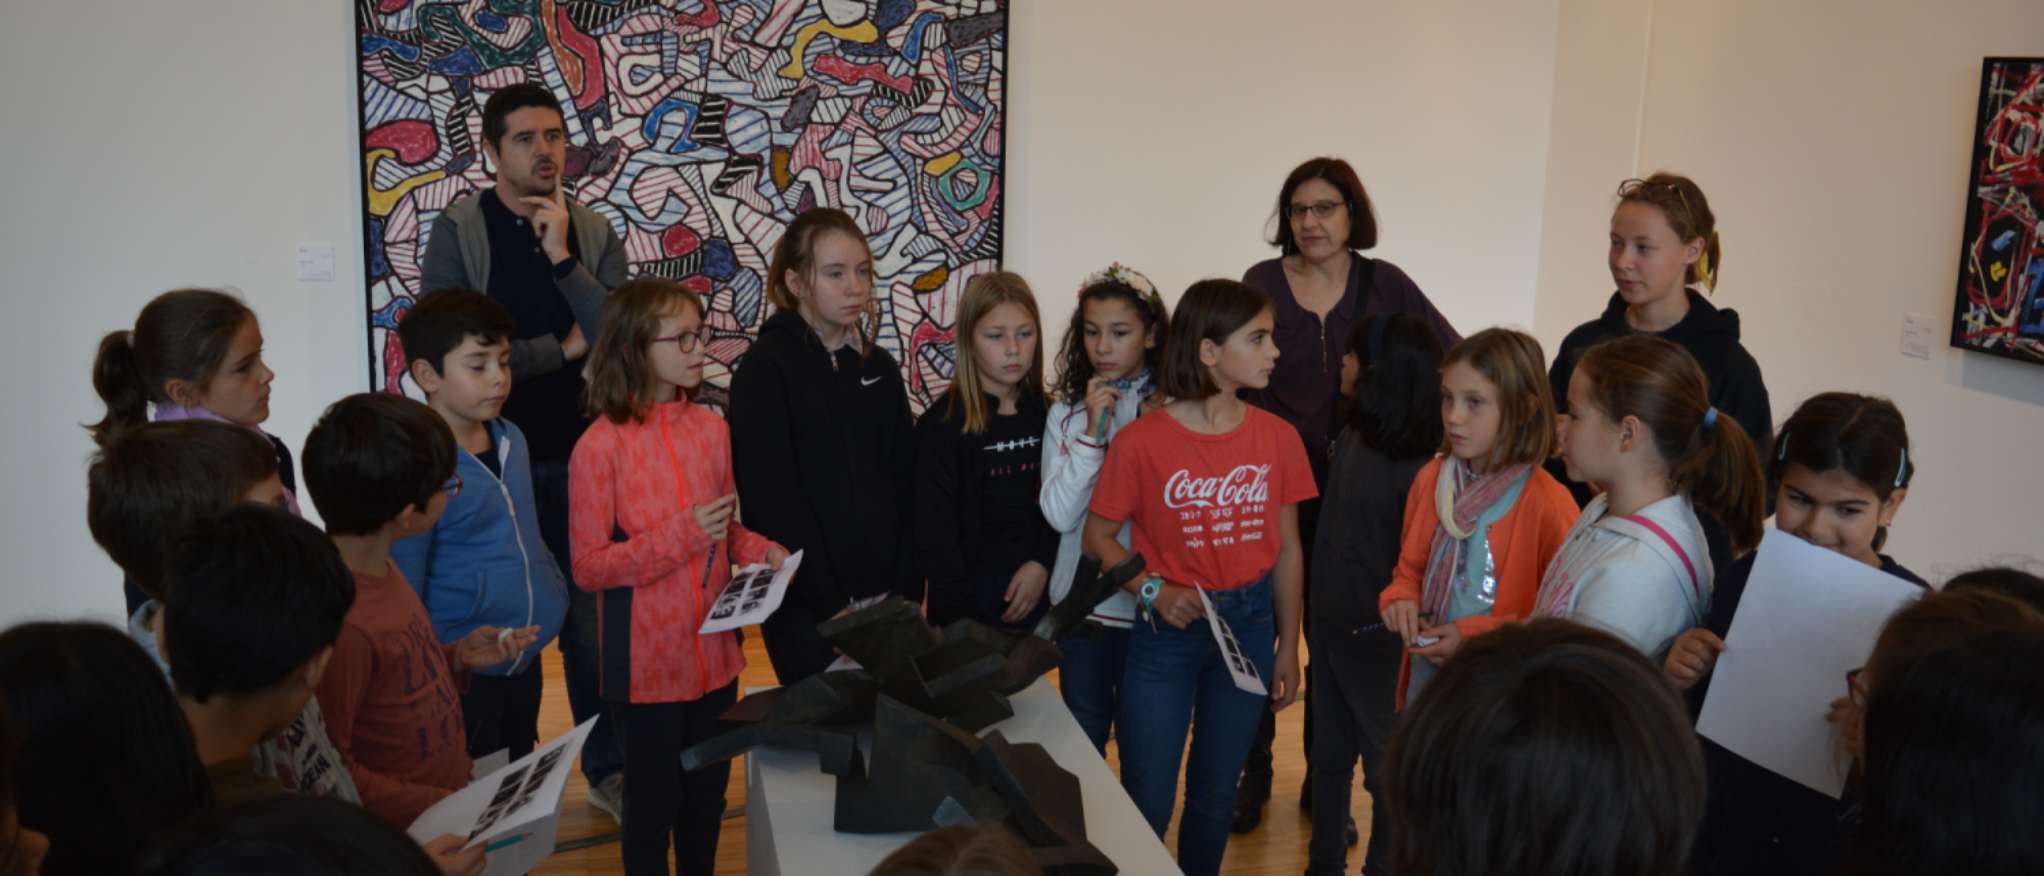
(195, 354)
(1840, 468)
(1664, 248)
(822, 441)
(1642, 425)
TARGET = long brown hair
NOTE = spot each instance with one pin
(1513, 362)
(183, 334)
(796, 252)
(1688, 212)
(1710, 458)
(983, 294)
(621, 379)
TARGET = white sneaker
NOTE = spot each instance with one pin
(608, 797)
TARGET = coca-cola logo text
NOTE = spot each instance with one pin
(1244, 485)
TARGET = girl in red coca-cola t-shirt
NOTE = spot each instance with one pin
(1211, 485)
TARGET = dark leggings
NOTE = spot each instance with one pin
(662, 799)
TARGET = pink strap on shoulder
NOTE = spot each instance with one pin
(1656, 529)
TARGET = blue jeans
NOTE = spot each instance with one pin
(1177, 682)
(580, 661)
(1090, 680)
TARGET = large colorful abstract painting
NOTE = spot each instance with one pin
(700, 129)
(2000, 307)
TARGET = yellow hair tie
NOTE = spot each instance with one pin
(1703, 264)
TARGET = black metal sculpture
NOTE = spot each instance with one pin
(927, 693)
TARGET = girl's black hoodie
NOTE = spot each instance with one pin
(1712, 336)
(823, 448)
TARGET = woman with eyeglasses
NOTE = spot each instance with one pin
(1664, 243)
(1319, 286)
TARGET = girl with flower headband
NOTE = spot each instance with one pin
(1108, 379)
(1664, 244)
(1840, 469)
(1636, 562)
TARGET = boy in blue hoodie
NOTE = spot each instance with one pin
(483, 563)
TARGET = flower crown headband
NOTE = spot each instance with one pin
(1126, 276)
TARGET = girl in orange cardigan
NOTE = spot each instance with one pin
(1483, 520)
(650, 522)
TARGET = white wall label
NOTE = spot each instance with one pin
(315, 261)
(1917, 334)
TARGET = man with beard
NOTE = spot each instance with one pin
(550, 261)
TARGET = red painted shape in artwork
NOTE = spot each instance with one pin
(706, 18)
(924, 335)
(679, 241)
(698, 284)
(592, 58)
(413, 140)
(847, 72)
(388, 6)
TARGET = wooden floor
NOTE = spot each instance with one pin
(1277, 847)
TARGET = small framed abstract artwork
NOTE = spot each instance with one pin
(2000, 304)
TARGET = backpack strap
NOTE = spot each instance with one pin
(1656, 529)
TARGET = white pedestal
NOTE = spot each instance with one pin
(789, 803)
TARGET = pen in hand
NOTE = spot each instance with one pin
(1380, 625)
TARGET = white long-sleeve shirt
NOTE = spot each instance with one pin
(1071, 466)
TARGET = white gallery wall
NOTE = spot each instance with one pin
(197, 144)
(1833, 139)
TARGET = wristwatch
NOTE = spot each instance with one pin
(1152, 586)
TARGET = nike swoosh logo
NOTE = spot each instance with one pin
(865, 382)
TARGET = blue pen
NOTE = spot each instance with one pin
(709, 566)
(1375, 627)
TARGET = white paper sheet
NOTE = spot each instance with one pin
(753, 594)
(1807, 618)
(1239, 664)
(489, 763)
(515, 811)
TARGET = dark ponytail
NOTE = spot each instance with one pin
(1861, 435)
(180, 335)
(1710, 458)
(121, 384)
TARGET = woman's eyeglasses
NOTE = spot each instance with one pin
(689, 342)
(1319, 210)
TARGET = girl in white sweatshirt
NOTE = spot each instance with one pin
(1641, 425)
(1107, 382)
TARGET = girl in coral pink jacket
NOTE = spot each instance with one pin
(652, 528)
